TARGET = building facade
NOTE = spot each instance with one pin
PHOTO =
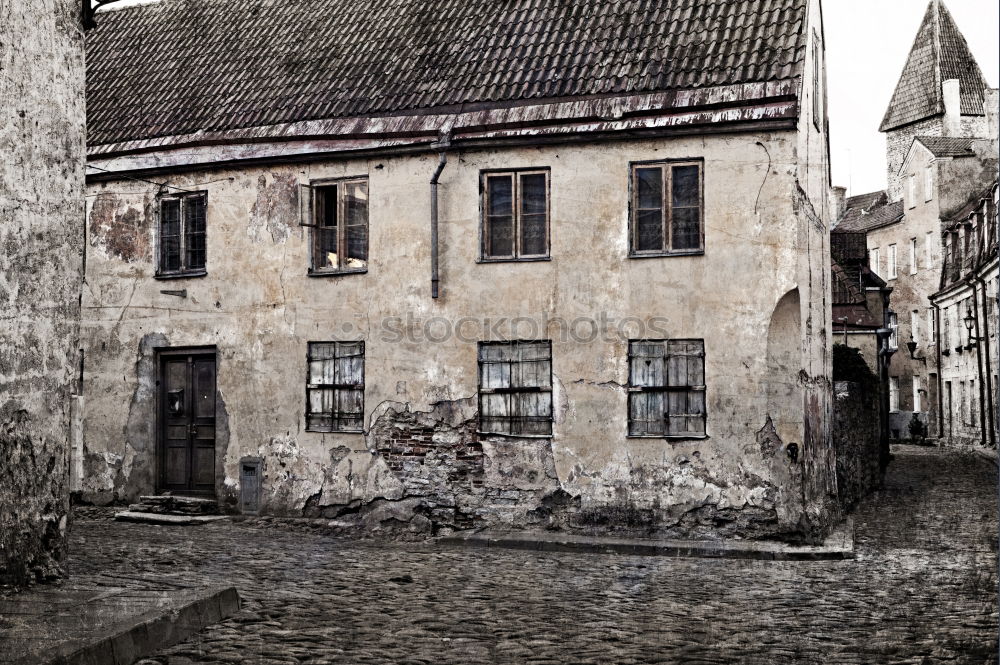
(966, 305)
(41, 235)
(458, 295)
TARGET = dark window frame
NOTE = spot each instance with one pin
(514, 390)
(311, 212)
(335, 416)
(183, 236)
(667, 389)
(666, 166)
(515, 174)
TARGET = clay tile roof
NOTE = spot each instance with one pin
(872, 216)
(939, 53)
(180, 66)
(948, 146)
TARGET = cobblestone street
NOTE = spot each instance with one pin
(922, 590)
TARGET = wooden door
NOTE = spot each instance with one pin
(187, 422)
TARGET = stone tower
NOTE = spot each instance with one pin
(941, 92)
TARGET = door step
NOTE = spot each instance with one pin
(173, 520)
(169, 504)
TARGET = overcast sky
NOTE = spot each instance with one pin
(867, 45)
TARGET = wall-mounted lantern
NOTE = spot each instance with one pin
(911, 346)
(970, 323)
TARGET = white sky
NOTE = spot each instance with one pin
(867, 44)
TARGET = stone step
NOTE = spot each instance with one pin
(169, 504)
(172, 520)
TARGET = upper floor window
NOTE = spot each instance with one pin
(930, 242)
(893, 325)
(876, 261)
(667, 210)
(335, 391)
(337, 212)
(911, 190)
(515, 219)
(666, 388)
(931, 326)
(817, 84)
(929, 182)
(182, 235)
(891, 262)
(894, 393)
(515, 388)
(913, 256)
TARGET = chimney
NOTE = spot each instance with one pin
(952, 107)
(839, 202)
(992, 108)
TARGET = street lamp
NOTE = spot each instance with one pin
(970, 323)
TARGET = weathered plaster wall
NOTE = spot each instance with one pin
(420, 449)
(41, 230)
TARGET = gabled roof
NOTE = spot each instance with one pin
(187, 66)
(948, 146)
(939, 53)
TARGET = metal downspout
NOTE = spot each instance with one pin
(940, 378)
(442, 144)
(979, 362)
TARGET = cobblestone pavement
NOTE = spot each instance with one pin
(922, 590)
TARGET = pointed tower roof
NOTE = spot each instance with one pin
(939, 53)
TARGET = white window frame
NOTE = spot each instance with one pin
(893, 325)
(931, 326)
(913, 256)
(891, 262)
(929, 182)
(917, 405)
(894, 394)
(915, 326)
(911, 191)
(876, 260)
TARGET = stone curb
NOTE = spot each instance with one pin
(839, 546)
(142, 635)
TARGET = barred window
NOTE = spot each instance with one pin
(337, 211)
(666, 388)
(335, 392)
(667, 209)
(515, 388)
(515, 220)
(182, 234)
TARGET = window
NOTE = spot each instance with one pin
(876, 260)
(929, 182)
(911, 191)
(816, 99)
(893, 331)
(182, 234)
(915, 326)
(929, 249)
(973, 411)
(515, 388)
(946, 330)
(913, 256)
(891, 262)
(894, 393)
(666, 209)
(515, 219)
(961, 402)
(337, 211)
(931, 326)
(917, 406)
(666, 388)
(335, 392)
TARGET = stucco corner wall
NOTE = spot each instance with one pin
(41, 211)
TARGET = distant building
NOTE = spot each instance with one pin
(967, 306)
(281, 202)
(936, 128)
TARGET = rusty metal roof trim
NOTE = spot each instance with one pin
(721, 102)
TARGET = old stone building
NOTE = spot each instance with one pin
(463, 263)
(41, 239)
(967, 308)
(937, 159)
